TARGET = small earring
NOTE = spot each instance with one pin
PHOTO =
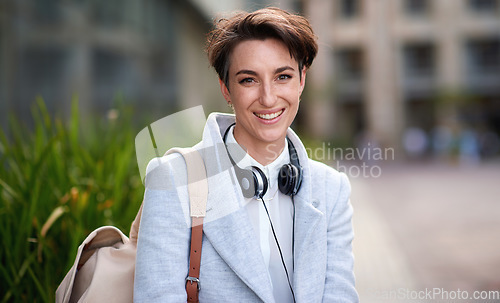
(230, 105)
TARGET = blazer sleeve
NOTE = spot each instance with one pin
(164, 234)
(339, 283)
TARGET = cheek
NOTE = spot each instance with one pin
(293, 95)
(295, 89)
(244, 97)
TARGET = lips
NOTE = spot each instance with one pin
(269, 116)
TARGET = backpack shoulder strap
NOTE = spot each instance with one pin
(198, 192)
(197, 180)
(197, 187)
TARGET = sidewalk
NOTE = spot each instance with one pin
(427, 226)
(380, 264)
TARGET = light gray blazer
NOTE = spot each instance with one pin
(232, 266)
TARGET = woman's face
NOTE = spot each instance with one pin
(264, 89)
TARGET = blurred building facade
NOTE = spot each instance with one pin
(384, 66)
(148, 52)
(388, 65)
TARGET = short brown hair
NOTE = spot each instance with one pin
(293, 30)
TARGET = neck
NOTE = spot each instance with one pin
(262, 151)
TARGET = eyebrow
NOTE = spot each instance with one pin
(277, 71)
(246, 71)
(284, 68)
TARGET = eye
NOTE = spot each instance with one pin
(246, 81)
(284, 77)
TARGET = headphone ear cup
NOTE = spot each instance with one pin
(246, 180)
(298, 179)
(253, 182)
(289, 179)
(260, 182)
(286, 179)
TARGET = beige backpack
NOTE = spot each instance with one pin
(105, 262)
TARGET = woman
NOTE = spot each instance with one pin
(287, 235)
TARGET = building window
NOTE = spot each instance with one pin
(484, 6)
(47, 11)
(110, 13)
(349, 8)
(41, 67)
(416, 7)
(350, 64)
(419, 60)
(112, 73)
(484, 56)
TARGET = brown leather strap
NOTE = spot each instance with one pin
(192, 281)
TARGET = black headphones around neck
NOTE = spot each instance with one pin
(253, 181)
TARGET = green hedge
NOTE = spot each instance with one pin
(58, 182)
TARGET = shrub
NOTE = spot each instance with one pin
(58, 182)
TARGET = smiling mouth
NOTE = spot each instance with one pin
(269, 116)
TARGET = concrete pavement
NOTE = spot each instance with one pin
(428, 228)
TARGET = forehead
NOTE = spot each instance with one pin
(263, 53)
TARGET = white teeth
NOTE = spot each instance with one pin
(269, 116)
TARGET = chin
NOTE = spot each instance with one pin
(272, 136)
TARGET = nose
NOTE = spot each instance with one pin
(267, 95)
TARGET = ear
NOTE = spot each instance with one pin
(224, 90)
(302, 80)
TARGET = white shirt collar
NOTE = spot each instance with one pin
(244, 160)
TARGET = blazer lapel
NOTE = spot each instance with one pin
(230, 232)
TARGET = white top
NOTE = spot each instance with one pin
(280, 209)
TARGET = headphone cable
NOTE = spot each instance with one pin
(279, 248)
(293, 234)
